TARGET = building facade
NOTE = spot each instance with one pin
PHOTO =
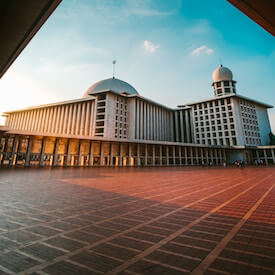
(113, 125)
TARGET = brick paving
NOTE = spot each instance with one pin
(137, 221)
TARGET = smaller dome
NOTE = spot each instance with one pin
(114, 84)
(221, 74)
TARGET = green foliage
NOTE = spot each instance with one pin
(272, 138)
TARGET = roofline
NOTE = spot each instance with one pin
(50, 105)
(133, 95)
(225, 96)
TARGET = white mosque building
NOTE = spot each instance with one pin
(113, 125)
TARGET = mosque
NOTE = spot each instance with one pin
(113, 125)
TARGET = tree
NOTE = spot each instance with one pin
(272, 138)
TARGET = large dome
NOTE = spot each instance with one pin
(221, 74)
(114, 84)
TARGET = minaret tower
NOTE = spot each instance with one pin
(223, 82)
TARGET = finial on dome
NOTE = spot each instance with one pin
(114, 64)
(220, 65)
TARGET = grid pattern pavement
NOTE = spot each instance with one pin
(137, 221)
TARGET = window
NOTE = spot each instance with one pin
(226, 83)
(228, 100)
(219, 84)
(227, 90)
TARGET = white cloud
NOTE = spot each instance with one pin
(202, 49)
(149, 47)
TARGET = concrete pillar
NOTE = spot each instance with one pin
(138, 120)
(191, 155)
(167, 155)
(129, 154)
(160, 155)
(14, 151)
(265, 157)
(4, 149)
(185, 155)
(73, 129)
(138, 154)
(86, 131)
(174, 154)
(182, 127)
(91, 158)
(79, 153)
(28, 154)
(43, 142)
(197, 155)
(120, 154)
(78, 120)
(177, 126)
(141, 120)
(216, 155)
(257, 155)
(55, 152)
(273, 155)
(83, 113)
(55, 118)
(224, 154)
(180, 159)
(101, 154)
(187, 126)
(111, 153)
(146, 155)
(153, 154)
(68, 153)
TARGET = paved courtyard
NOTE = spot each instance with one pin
(137, 221)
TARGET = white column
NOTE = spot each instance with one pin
(54, 119)
(191, 155)
(273, 155)
(146, 155)
(78, 129)
(46, 119)
(50, 120)
(187, 126)
(129, 154)
(111, 153)
(174, 155)
(92, 114)
(153, 154)
(141, 120)
(180, 160)
(64, 120)
(265, 157)
(86, 131)
(91, 160)
(177, 128)
(167, 155)
(151, 123)
(138, 154)
(182, 126)
(160, 155)
(138, 119)
(56, 124)
(145, 120)
(70, 111)
(73, 129)
(82, 123)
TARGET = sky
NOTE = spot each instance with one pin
(167, 50)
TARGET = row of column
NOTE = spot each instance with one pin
(74, 119)
(136, 155)
(266, 156)
(153, 122)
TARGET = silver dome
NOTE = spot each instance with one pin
(114, 84)
(221, 74)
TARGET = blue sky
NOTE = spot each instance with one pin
(166, 49)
